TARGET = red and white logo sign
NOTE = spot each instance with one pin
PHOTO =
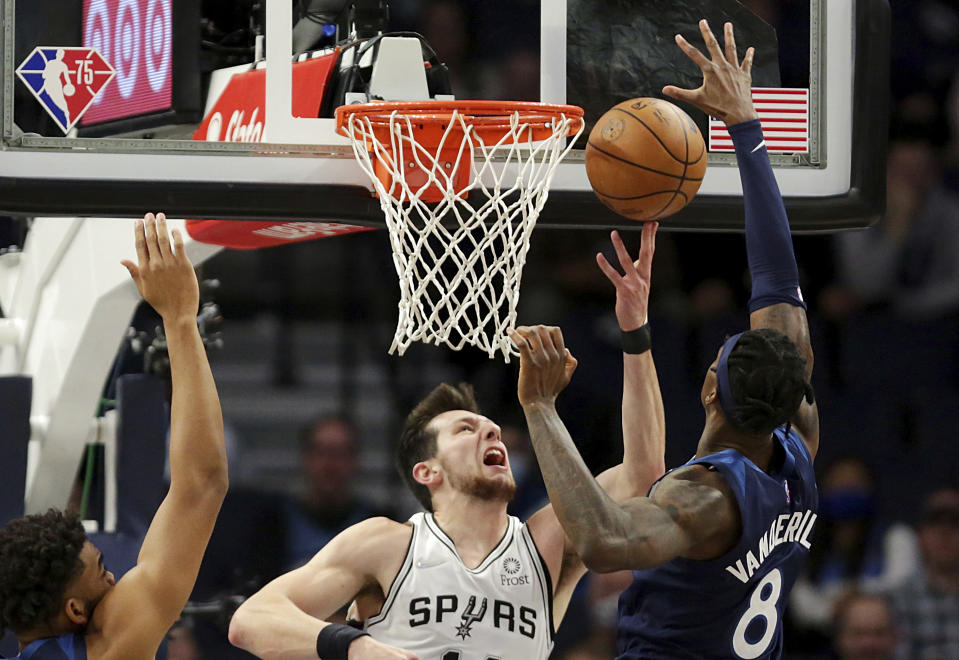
(239, 115)
(784, 114)
(66, 80)
(136, 36)
(246, 235)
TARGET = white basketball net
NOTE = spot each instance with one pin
(460, 264)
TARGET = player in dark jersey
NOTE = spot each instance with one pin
(56, 595)
(717, 544)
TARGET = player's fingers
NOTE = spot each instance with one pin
(535, 343)
(611, 273)
(520, 342)
(132, 269)
(711, 44)
(571, 364)
(648, 246)
(150, 229)
(625, 261)
(520, 336)
(688, 95)
(747, 64)
(731, 56)
(692, 52)
(178, 244)
(556, 337)
(647, 249)
(163, 236)
(140, 239)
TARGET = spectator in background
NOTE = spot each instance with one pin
(907, 260)
(927, 606)
(865, 628)
(261, 534)
(328, 503)
(853, 547)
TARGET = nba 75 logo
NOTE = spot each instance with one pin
(65, 80)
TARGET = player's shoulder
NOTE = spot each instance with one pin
(380, 530)
(794, 443)
(698, 474)
(373, 537)
(367, 545)
(701, 500)
(71, 646)
(696, 492)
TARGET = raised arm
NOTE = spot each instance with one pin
(683, 512)
(284, 619)
(135, 616)
(776, 300)
(644, 421)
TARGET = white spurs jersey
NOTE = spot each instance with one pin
(439, 609)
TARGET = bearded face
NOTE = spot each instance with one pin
(472, 456)
(481, 486)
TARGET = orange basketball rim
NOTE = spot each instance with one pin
(429, 137)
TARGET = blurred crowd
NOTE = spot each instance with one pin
(882, 580)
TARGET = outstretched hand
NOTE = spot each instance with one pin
(545, 364)
(163, 275)
(727, 82)
(632, 287)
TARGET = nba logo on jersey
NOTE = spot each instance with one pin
(65, 80)
(788, 496)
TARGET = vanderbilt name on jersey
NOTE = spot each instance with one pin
(442, 610)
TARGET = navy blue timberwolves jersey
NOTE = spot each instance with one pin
(730, 607)
(64, 647)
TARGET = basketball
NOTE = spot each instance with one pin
(645, 159)
(69, 90)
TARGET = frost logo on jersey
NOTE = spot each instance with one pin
(468, 616)
(511, 567)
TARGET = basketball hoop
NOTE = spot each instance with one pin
(461, 184)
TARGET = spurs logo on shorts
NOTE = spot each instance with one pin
(437, 606)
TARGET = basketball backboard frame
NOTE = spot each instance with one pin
(843, 188)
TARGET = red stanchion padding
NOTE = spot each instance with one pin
(247, 235)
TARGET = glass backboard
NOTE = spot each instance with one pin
(224, 109)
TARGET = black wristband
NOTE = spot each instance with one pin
(333, 642)
(636, 341)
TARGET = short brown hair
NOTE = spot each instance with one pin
(418, 442)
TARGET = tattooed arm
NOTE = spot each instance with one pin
(691, 513)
